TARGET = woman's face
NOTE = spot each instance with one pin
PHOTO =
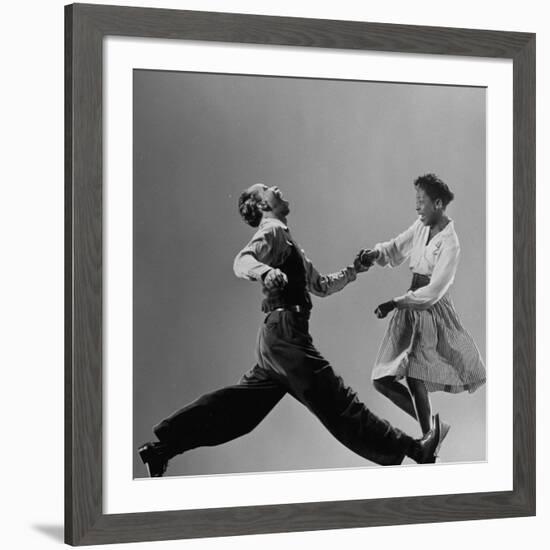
(429, 211)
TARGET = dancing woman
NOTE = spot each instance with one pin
(425, 347)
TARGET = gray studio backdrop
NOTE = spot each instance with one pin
(345, 154)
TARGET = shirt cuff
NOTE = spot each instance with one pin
(260, 273)
(400, 302)
(351, 273)
(378, 248)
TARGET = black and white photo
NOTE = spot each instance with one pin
(345, 157)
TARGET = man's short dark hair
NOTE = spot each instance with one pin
(435, 188)
(249, 208)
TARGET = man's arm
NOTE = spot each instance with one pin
(252, 262)
(325, 285)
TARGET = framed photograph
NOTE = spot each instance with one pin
(226, 173)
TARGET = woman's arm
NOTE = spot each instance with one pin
(442, 278)
(395, 251)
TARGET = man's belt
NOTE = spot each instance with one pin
(295, 308)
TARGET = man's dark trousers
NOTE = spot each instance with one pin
(287, 362)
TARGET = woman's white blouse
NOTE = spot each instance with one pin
(438, 259)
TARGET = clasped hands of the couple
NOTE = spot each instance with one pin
(365, 259)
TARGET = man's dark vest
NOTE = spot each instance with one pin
(295, 292)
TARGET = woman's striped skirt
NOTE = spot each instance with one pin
(431, 345)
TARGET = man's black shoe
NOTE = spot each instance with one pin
(428, 445)
(155, 456)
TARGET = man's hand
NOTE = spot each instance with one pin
(383, 309)
(275, 279)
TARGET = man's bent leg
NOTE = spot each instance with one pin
(339, 409)
(287, 347)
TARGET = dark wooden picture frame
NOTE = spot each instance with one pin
(85, 28)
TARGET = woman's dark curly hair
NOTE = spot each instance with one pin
(435, 188)
(249, 208)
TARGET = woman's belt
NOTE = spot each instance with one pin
(419, 280)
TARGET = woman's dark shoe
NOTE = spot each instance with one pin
(425, 452)
(155, 456)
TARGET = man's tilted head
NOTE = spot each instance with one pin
(260, 201)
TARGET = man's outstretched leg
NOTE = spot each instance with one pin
(212, 419)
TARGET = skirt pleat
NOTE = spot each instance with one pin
(433, 346)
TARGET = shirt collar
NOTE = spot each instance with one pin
(445, 233)
(272, 222)
(448, 228)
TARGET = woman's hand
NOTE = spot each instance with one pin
(358, 264)
(368, 256)
(383, 309)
